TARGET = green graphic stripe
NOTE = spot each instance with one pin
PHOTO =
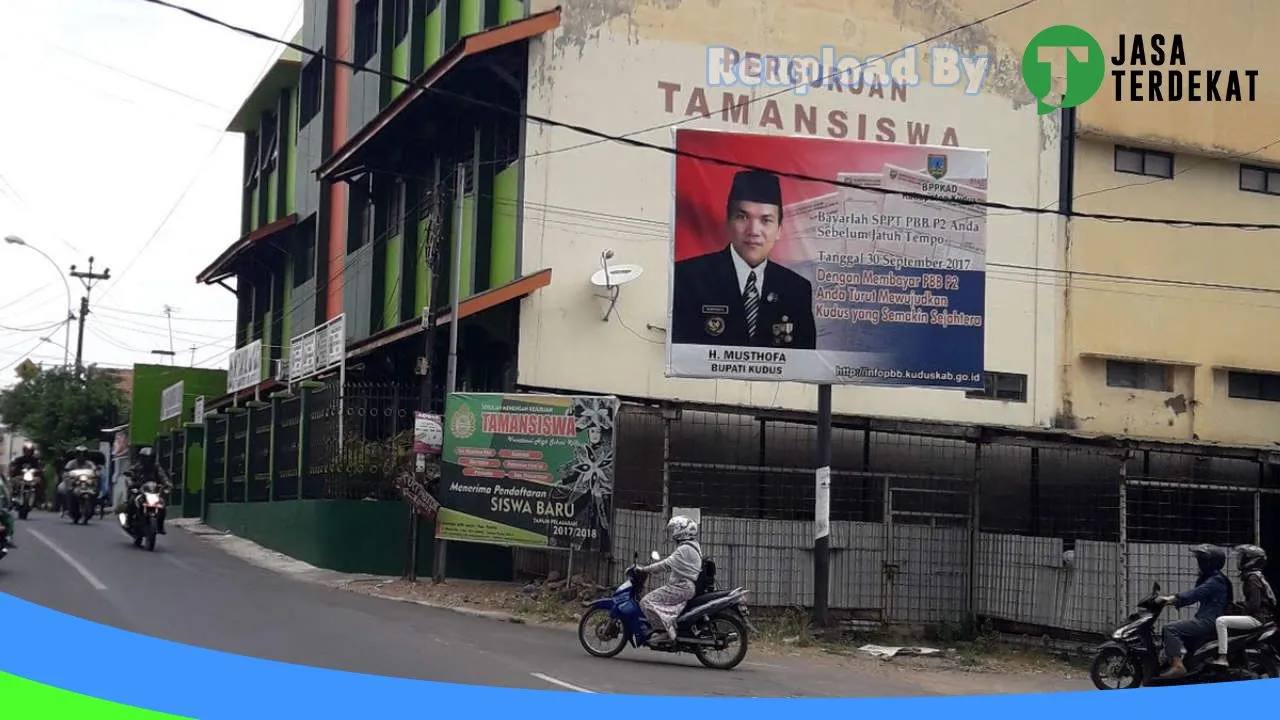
(27, 699)
(460, 526)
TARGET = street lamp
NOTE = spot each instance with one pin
(66, 345)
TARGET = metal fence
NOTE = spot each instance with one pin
(1039, 531)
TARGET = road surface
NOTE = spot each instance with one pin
(199, 595)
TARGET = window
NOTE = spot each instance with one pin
(1144, 162)
(395, 208)
(310, 89)
(1259, 180)
(270, 143)
(1139, 376)
(400, 21)
(362, 216)
(1253, 386)
(366, 31)
(253, 160)
(1010, 387)
(304, 251)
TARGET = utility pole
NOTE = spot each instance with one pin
(168, 314)
(88, 279)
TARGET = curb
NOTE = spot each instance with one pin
(486, 614)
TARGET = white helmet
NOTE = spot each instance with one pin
(682, 528)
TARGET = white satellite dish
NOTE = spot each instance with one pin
(615, 275)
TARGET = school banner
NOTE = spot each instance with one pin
(528, 470)
(827, 261)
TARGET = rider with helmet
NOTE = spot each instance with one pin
(79, 461)
(146, 471)
(663, 605)
(1259, 600)
(1212, 592)
(28, 459)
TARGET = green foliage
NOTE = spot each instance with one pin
(58, 411)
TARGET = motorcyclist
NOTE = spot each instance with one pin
(6, 514)
(1213, 592)
(146, 470)
(18, 465)
(79, 461)
(1259, 600)
(663, 604)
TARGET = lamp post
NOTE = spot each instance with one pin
(15, 240)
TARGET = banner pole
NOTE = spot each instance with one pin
(822, 512)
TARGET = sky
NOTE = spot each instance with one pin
(113, 146)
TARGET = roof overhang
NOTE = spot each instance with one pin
(480, 302)
(223, 267)
(284, 74)
(347, 158)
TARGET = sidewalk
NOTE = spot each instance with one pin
(955, 671)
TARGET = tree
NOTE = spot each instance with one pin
(58, 410)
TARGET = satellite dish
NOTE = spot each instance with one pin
(615, 275)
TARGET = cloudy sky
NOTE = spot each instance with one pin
(112, 145)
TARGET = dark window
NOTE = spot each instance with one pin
(310, 89)
(366, 31)
(1253, 386)
(362, 215)
(1259, 180)
(254, 159)
(395, 208)
(270, 143)
(1011, 387)
(304, 251)
(400, 21)
(1137, 161)
(1139, 376)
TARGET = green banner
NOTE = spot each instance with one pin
(528, 470)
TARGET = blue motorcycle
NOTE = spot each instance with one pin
(713, 625)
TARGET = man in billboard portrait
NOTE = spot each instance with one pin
(737, 296)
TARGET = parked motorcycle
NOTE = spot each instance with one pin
(24, 492)
(1132, 658)
(711, 623)
(82, 494)
(142, 522)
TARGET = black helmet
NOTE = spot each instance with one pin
(1210, 558)
(1251, 557)
(29, 449)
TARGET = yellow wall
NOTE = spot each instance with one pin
(604, 195)
(1203, 329)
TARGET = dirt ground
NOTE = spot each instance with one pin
(978, 666)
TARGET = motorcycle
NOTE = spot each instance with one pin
(1134, 653)
(143, 523)
(24, 492)
(710, 622)
(82, 494)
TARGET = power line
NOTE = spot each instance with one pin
(139, 78)
(591, 132)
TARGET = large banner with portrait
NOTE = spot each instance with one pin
(528, 470)
(873, 272)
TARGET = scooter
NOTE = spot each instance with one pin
(710, 624)
(1132, 657)
(82, 494)
(24, 494)
(143, 524)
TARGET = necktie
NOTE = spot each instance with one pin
(751, 301)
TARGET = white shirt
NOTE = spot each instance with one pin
(743, 269)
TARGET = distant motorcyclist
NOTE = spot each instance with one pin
(1259, 600)
(663, 605)
(1213, 593)
(28, 459)
(146, 471)
(79, 461)
(6, 513)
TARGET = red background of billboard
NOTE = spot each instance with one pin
(702, 188)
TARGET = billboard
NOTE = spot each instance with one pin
(831, 280)
(528, 470)
(244, 369)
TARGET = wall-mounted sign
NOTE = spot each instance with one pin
(171, 401)
(198, 411)
(245, 368)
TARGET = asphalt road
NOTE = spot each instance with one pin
(197, 594)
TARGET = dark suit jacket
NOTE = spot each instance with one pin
(707, 307)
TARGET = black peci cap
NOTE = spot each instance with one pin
(755, 186)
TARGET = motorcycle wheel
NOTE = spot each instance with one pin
(152, 531)
(1125, 667)
(724, 624)
(591, 625)
(23, 512)
(87, 511)
(1264, 665)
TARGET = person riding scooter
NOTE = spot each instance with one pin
(1259, 600)
(1213, 592)
(663, 605)
(80, 461)
(146, 471)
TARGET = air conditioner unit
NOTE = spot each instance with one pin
(280, 370)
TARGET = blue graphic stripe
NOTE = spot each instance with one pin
(52, 648)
